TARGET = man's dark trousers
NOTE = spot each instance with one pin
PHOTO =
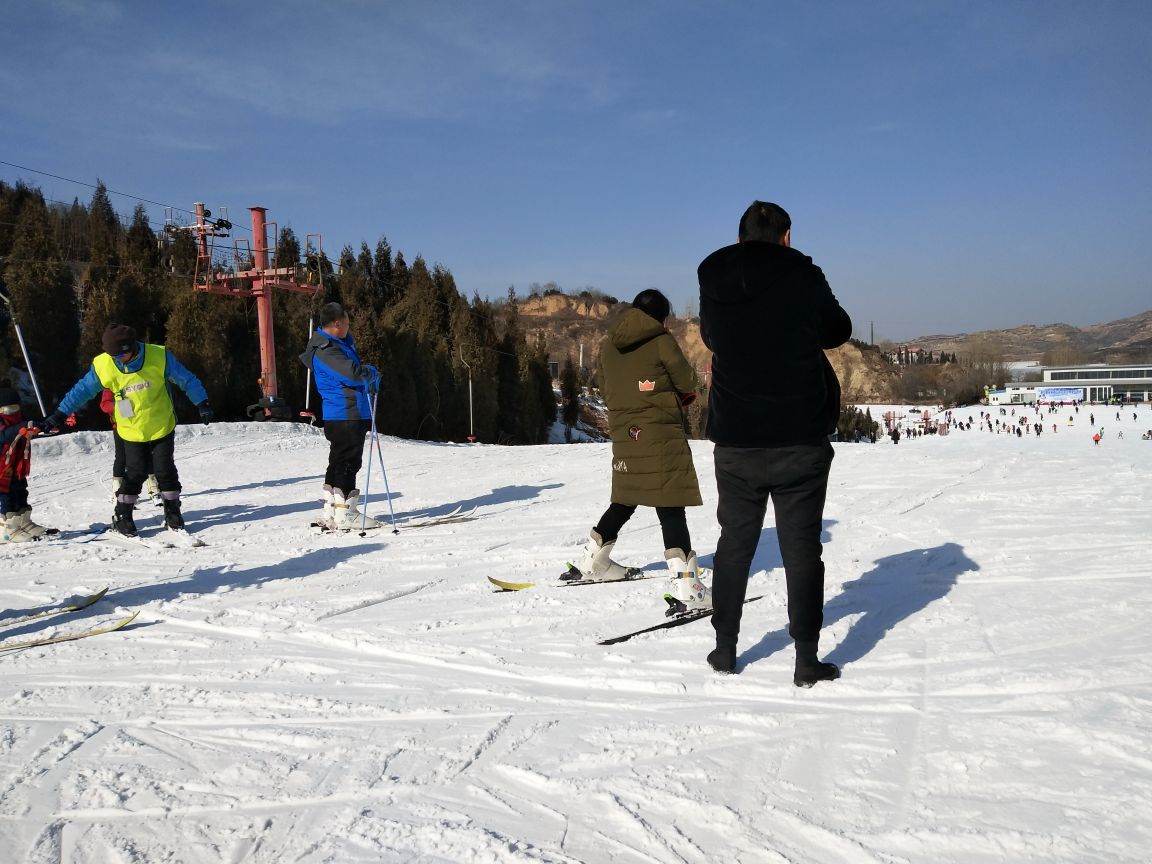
(346, 454)
(796, 479)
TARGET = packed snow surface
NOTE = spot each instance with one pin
(291, 697)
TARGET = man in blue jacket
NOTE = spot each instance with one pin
(138, 375)
(344, 384)
(767, 313)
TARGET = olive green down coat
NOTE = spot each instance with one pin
(641, 374)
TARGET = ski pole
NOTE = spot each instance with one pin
(307, 412)
(375, 441)
(24, 351)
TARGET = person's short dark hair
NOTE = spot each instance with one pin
(653, 303)
(331, 313)
(764, 220)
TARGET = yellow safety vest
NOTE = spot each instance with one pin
(144, 409)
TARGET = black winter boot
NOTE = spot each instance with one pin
(122, 521)
(172, 517)
(809, 669)
(723, 659)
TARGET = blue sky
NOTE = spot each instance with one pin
(952, 166)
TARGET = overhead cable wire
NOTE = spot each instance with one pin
(106, 189)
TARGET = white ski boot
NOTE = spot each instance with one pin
(7, 523)
(154, 493)
(347, 514)
(686, 592)
(19, 527)
(597, 565)
(327, 519)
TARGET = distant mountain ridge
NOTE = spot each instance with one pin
(1128, 340)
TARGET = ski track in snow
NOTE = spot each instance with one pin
(288, 697)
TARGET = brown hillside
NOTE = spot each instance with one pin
(1127, 340)
(567, 323)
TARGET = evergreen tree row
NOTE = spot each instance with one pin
(70, 270)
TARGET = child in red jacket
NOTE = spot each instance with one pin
(16, 434)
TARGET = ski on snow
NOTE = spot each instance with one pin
(677, 620)
(573, 578)
(75, 606)
(82, 535)
(165, 538)
(457, 515)
(69, 637)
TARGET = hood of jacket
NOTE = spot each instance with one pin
(737, 273)
(632, 329)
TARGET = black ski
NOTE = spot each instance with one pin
(677, 620)
(573, 577)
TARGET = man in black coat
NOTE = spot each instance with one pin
(767, 314)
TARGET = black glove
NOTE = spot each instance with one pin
(51, 423)
(206, 413)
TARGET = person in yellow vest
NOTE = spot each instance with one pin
(138, 374)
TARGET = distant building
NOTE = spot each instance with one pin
(1097, 383)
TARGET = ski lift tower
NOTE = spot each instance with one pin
(247, 274)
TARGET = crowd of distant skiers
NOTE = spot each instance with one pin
(1027, 422)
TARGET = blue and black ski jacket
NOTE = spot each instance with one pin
(341, 379)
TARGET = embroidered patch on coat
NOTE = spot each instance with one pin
(646, 386)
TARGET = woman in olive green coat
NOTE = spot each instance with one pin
(646, 382)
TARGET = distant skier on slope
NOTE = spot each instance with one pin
(647, 382)
(138, 374)
(16, 434)
(344, 385)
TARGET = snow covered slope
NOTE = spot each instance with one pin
(284, 697)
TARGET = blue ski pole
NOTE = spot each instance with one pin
(375, 442)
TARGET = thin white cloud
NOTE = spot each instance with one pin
(99, 10)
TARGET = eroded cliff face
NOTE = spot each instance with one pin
(569, 322)
(865, 377)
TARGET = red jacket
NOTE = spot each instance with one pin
(108, 405)
(15, 454)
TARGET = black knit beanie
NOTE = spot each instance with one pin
(118, 338)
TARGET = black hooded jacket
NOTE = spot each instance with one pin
(767, 313)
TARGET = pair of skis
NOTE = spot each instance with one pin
(76, 606)
(165, 538)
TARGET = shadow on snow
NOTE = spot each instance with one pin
(894, 590)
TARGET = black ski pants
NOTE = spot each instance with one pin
(673, 524)
(142, 458)
(346, 452)
(119, 460)
(796, 479)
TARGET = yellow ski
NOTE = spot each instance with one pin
(68, 637)
(510, 586)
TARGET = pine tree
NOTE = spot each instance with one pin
(382, 276)
(508, 374)
(569, 393)
(215, 337)
(40, 289)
